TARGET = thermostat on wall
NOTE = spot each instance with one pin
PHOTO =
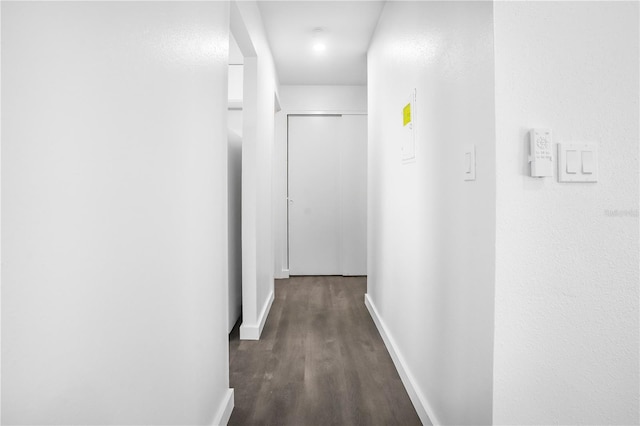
(540, 153)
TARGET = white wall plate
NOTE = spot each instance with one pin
(578, 162)
(469, 165)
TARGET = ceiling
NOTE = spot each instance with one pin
(347, 28)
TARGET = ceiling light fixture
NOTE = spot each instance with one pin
(318, 43)
(319, 47)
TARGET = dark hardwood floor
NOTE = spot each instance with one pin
(320, 361)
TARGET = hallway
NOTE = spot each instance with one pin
(320, 361)
(184, 186)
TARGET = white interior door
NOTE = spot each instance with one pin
(314, 195)
(327, 195)
(353, 194)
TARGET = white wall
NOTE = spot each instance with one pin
(259, 92)
(303, 99)
(234, 121)
(114, 213)
(431, 234)
(235, 83)
(566, 338)
(324, 98)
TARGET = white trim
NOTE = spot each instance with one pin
(325, 112)
(253, 332)
(1, 217)
(420, 402)
(224, 410)
(234, 104)
(283, 274)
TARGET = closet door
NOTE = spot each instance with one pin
(314, 195)
(353, 194)
(327, 195)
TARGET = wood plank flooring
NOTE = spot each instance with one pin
(320, 361)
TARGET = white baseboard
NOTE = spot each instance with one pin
(224, 411)
(253, 331)
(422, 406)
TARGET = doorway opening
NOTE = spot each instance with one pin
(234, 180)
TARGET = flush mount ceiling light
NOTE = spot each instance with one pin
(318, 40)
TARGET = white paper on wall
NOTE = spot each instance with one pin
(408, 146)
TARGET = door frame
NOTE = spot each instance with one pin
(303, 113)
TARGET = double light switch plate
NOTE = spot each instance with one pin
(578, 162)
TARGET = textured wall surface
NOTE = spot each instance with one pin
(324, 98)
(431, 234)
(566, 338)
(114, 212)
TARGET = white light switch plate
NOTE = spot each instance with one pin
(577, 162)
(469, 162)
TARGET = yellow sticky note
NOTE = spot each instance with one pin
(406, 114)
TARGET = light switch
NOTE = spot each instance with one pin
(587, 162)
(573, 162)
(470, 162)
(578, 162)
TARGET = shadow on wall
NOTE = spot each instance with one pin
(235, 226)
